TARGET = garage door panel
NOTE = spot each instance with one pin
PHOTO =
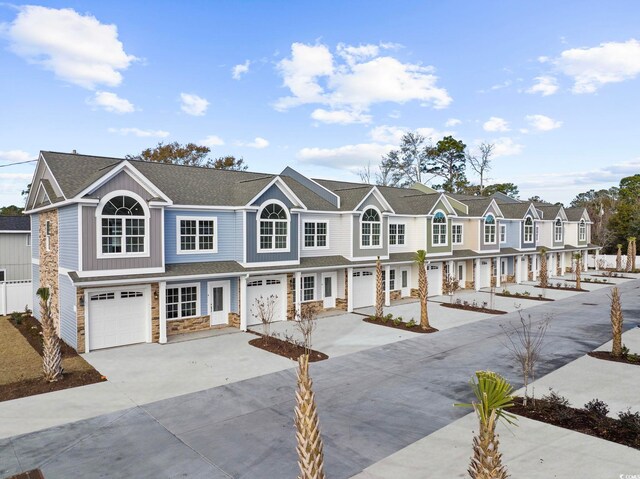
(117, 318)
(434, 277)
(265, 287)
(364, 288)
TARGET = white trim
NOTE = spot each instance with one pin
(115, 272)
(213, 207)
(270, 263)
(379, 196)
(446, 229)
(24, 232)
(53, 177)
(282, 186)
(47, 235)
(314, 288)
(244, 236)
(497, 211)
(315, 235)
(582, 228)
(273, 249)
(162, 303)
(484, 229)
(380, 223)
(226, 298)
(461, 234)
(197, 219)
(404, 235)
(179, 286)
(80, 243)
(524, 231)
(445, 200)
(35, 261)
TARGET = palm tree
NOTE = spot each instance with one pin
(616, 323)
(544, 271)
(51, 353)
(633, 253)
(310, 454)
(423, 288)
(619, 258)
(493, 395)
(578, 258)
(630, 264)
(379, 289)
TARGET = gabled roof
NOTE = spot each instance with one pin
(351, 194)
(15, 223)
(577, 213)
(516, 211)
(549, 211)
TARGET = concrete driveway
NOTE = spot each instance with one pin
(371, 403)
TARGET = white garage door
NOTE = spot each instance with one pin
(364, 288)
(265, 287)
(485, 273)
(434, 276)
(117, 317)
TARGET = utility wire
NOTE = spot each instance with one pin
(18, 163)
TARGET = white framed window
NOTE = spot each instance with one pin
(528, 230)
(196, 234)
(456, 234)
(503, 233)
(308, 288)
(183, 301)
(396, 234)
(582, 231)
(47, 235)
(557, 228)
(392, 279)
(316, 235)
(489, 229)
(537, 233)
(122, 222)
(439, 229)
(273, 228)
(3, 275)
(29, 239)
(370, 227)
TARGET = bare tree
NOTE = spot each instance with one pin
(365, 173)
(306, 323)
(525, 343)
(264, 309)
(450, 285)
(481, 162)
(381, 176)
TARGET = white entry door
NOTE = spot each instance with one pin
(405, 282)
(503, 269)
(461, 269)
(219, 302)
(328, 287)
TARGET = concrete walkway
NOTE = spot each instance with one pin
(371, 403)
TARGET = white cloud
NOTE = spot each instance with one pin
(193, 104)
(496, 124)
(545, 85)
(452, 122)
(111, 102)
(76, 48)
(355, 78)
(505, 146)
(341, 117)
(542, 122)
(591, 68)
(139, 132)
(15, 156)
(11, 187)
(258, 143)
(347, 157)
(393, 134)
(212, 140)
(239, 70)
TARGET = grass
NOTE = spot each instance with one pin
(18, 360)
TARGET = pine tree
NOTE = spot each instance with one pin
(51, 352)
(616, 323)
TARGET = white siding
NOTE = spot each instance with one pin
(339, 235)
(415, 234)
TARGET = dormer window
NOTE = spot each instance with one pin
(582, 231)
(489, 229)
(558, 230)
(274, 228)
(123, 226)
(528, 230)
(439, 229)
(370, 227)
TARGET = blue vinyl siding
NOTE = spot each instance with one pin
(252, 242)
(273, 193)
(68, 231)
(229, 240)
(35, 284)
(68, 322)
(35, 236)
(204, 293)
(513, 234)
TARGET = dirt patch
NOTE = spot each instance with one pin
(285, 348)
(475, 309)
(580, 420)
(19, 360)
(564, 288)
(77, 372)
(400, 325)
(524, 296)
(633, 359)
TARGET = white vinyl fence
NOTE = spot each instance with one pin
(609, 260)
(15, 296)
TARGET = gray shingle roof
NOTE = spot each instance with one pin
(549, 212)
(514, 210)
(575, 214)
(15, 223)
(351, 194)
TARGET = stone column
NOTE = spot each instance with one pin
(476, 276)
(244, 307)
(349, 290)
(162, 292)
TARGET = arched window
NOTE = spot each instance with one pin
(489, 229)
(582, 231)
(528, 230)
(123, 226)
(370, 228)
(439, 229)
(274, 228)
(558, 230)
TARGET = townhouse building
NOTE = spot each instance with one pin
(136, 251)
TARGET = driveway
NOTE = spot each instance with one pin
(371, 404)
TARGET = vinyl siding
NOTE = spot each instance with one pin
(414, 234)
(490, 246)
(469, 234)
(35, 236)
(35, 284)
(15, 256)
(338, 235)
(228, 239)
(252, 242)
(358, 251)
(68, 231)
(204, 293)
(68, 321)
(122, 181)
(439, 249)
(513, 233)
(273, 193)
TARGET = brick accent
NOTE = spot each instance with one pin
(494, 280)
(346, 289)
(396, 294)
(469, 284)
(179, 326)
(234, 320)
(318, 305)
(341, 304)
(415, 293)
(80, 320)
(49, 261)
(155, 312)
(291, 305)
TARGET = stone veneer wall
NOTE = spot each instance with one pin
(291, 306)
(80, 320)
(395, 294)
(234, 320)
(189, 325)
(49, 261)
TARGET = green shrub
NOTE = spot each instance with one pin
(388, 317)
(630, 421)
(554, 399)
(16, 317)
(597, 408)
(412, 323)
(397, 321)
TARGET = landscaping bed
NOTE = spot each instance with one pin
(556, 410)
(628, 358)
(564, 288)
(612, 277)
(285, 348)
(398, 323)
(21, 362)
(470, 307)
(588, 281)
(524, 296)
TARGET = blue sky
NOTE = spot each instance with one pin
(327, 87)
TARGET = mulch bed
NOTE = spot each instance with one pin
(476, 309)
(606, 355)
(402, 325)
(562, 288)
(611, 277)
(32, 474)
(590, 282)
(30, 328)
(578, 420)
(522, 296)
(285, 348)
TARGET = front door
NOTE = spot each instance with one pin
(404, 282)
(329, 281)
(460, 274)
(503, 269)
(219, 302)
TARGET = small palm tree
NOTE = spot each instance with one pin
(544, 271)
(630, 264)
(616, 323)
(51, 352)
(493, 395)
(619, 258)
(578, 258)
(633, 253)
(423, 288)
(379, 289)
